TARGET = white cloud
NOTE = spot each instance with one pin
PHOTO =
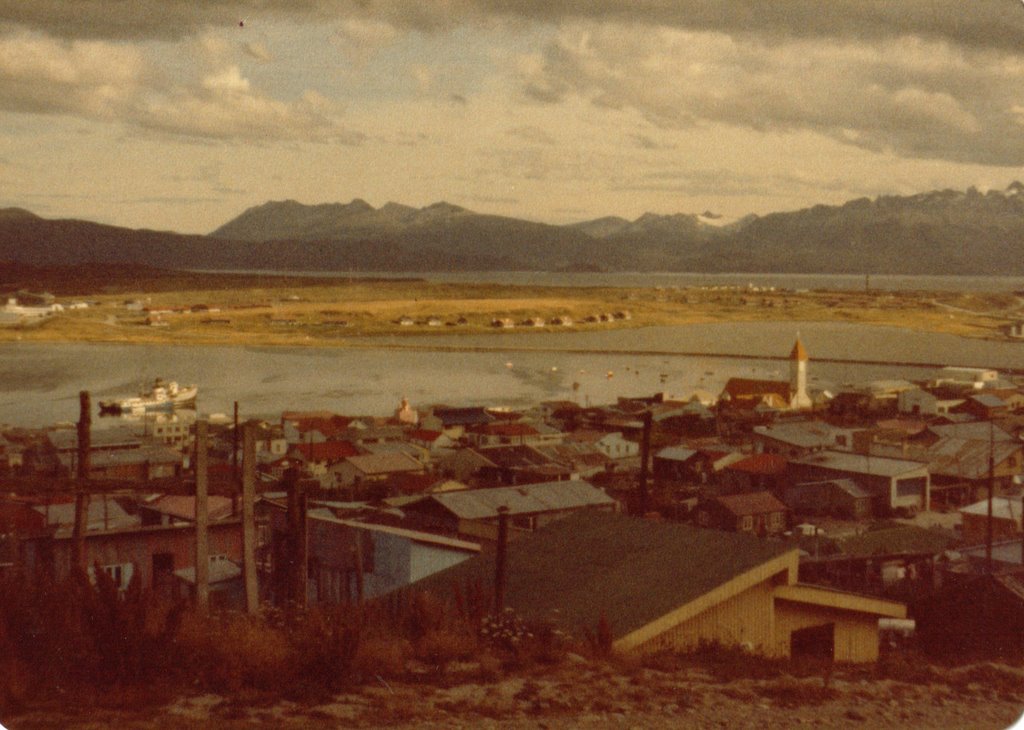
(916, 98)
(115, 82)
(227, 80)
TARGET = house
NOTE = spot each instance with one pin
(358, 471)
(611, 444)
(504, 465)
(924, 403)
(794, 439)
(896, 484)
(667, 586)
(454, 421)
(225, 584)
(347, 556)
(498, 433)
(676, 464)
(430, 440)
(172, 509)
(975, 378)
(145, 463)
(317, 457)
(313, 426)
(1013, 329)
(836, 497)
(760, 513)
(1007, 521)
(984, 406)
(151, 552)
(960, 468)
(756, 472)
(474, 512)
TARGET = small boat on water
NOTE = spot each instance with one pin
(162, 396)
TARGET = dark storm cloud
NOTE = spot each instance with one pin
(978, 23)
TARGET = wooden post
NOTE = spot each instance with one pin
(991, 489)
(81, 526)
(501, 560)
(252, 599)
(298, 568)
(357, 558)
(202, 519)
(645, 452)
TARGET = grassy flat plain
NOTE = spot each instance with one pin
(232, 309)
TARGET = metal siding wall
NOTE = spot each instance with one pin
(856, 634)
(428, 559)
(745, 618)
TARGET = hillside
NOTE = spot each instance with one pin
(940, 232)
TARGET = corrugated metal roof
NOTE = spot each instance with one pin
(184, 507)
(324, 515)
(860, 463)
(967, 458)
(805, 434)
(384, 463)
(752, 503)
(989, 401)
(675, 453)
(1003, 508)
(479, 504)
(629, 570)
(103, 513)
(975, 430)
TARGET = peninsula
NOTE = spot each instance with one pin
(104, 303)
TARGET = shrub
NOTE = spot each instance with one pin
(441, 646)
(382, 656)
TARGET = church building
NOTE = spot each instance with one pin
(773, 394)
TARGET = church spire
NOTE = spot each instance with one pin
(798, 352)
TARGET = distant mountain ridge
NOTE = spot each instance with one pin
(938, 232)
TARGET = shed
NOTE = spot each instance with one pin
(671, 586)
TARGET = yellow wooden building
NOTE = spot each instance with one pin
(667, 586)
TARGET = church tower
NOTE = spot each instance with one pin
(798, 376)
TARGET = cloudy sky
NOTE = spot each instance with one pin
(169, 114)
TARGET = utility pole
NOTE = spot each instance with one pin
(202, 555)
(81, 526)
(643, 501)
(991, 488)
(297, 528)
(501, 560)
(252, 599)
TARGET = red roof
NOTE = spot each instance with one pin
(770, 464)
(507, 429)
(747, 388)
(327, 423)
(327, 451)
(753, 503)
(422, 434)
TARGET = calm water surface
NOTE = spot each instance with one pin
(39, 383)
(796, 282)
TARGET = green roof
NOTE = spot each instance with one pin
(633, 571)
(893, 540)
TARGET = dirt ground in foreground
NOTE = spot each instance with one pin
(595, 695)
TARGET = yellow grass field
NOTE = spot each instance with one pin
(213, 309)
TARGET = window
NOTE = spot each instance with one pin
(776, 519)
(748, 522)
(910, 487)
(120, 574)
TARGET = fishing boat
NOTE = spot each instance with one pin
(162, 396)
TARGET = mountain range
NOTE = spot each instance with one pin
(938, 232)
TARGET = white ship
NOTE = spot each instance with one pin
(161, 397)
